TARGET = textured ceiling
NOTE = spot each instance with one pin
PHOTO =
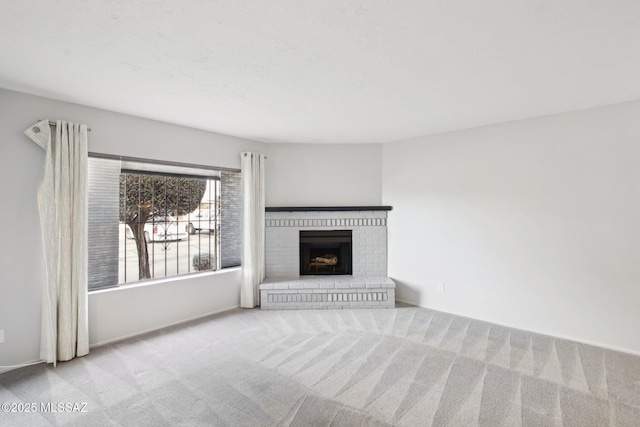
(334, 71)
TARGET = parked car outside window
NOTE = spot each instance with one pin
(161, 228)
(202, 220)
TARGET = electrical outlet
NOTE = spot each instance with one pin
(441, 286)
(1, 336)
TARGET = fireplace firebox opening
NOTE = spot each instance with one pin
(325, 252)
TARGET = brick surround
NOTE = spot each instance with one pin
(369, 236)
(367, 287)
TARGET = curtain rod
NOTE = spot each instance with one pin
(245, 154)
(52, 123)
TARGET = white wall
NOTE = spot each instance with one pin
(112, 314)
(324, 175)
(533, 224)
(172, 301)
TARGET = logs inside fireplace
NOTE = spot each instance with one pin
(325, 252)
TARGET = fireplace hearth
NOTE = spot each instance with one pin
(326, 252)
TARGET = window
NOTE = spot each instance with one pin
(157, 219)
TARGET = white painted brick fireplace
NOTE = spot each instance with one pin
(286, 288)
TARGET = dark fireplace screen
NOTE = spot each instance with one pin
(325, 252)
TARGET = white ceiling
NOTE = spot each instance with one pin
(330, 71)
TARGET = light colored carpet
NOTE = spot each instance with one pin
(405, 366)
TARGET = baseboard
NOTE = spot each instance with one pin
(554, 335)
(157, 328)
(4, 369)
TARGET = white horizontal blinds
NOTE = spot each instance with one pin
(103, 214)
(231, 219)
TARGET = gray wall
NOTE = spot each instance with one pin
(533, 224)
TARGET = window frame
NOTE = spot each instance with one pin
(169, 168)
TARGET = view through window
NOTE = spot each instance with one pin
(150, 221)
(169, 225)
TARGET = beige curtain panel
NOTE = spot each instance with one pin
(62, 202)
(253, 228)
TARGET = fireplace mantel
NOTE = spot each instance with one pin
(326, 208)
